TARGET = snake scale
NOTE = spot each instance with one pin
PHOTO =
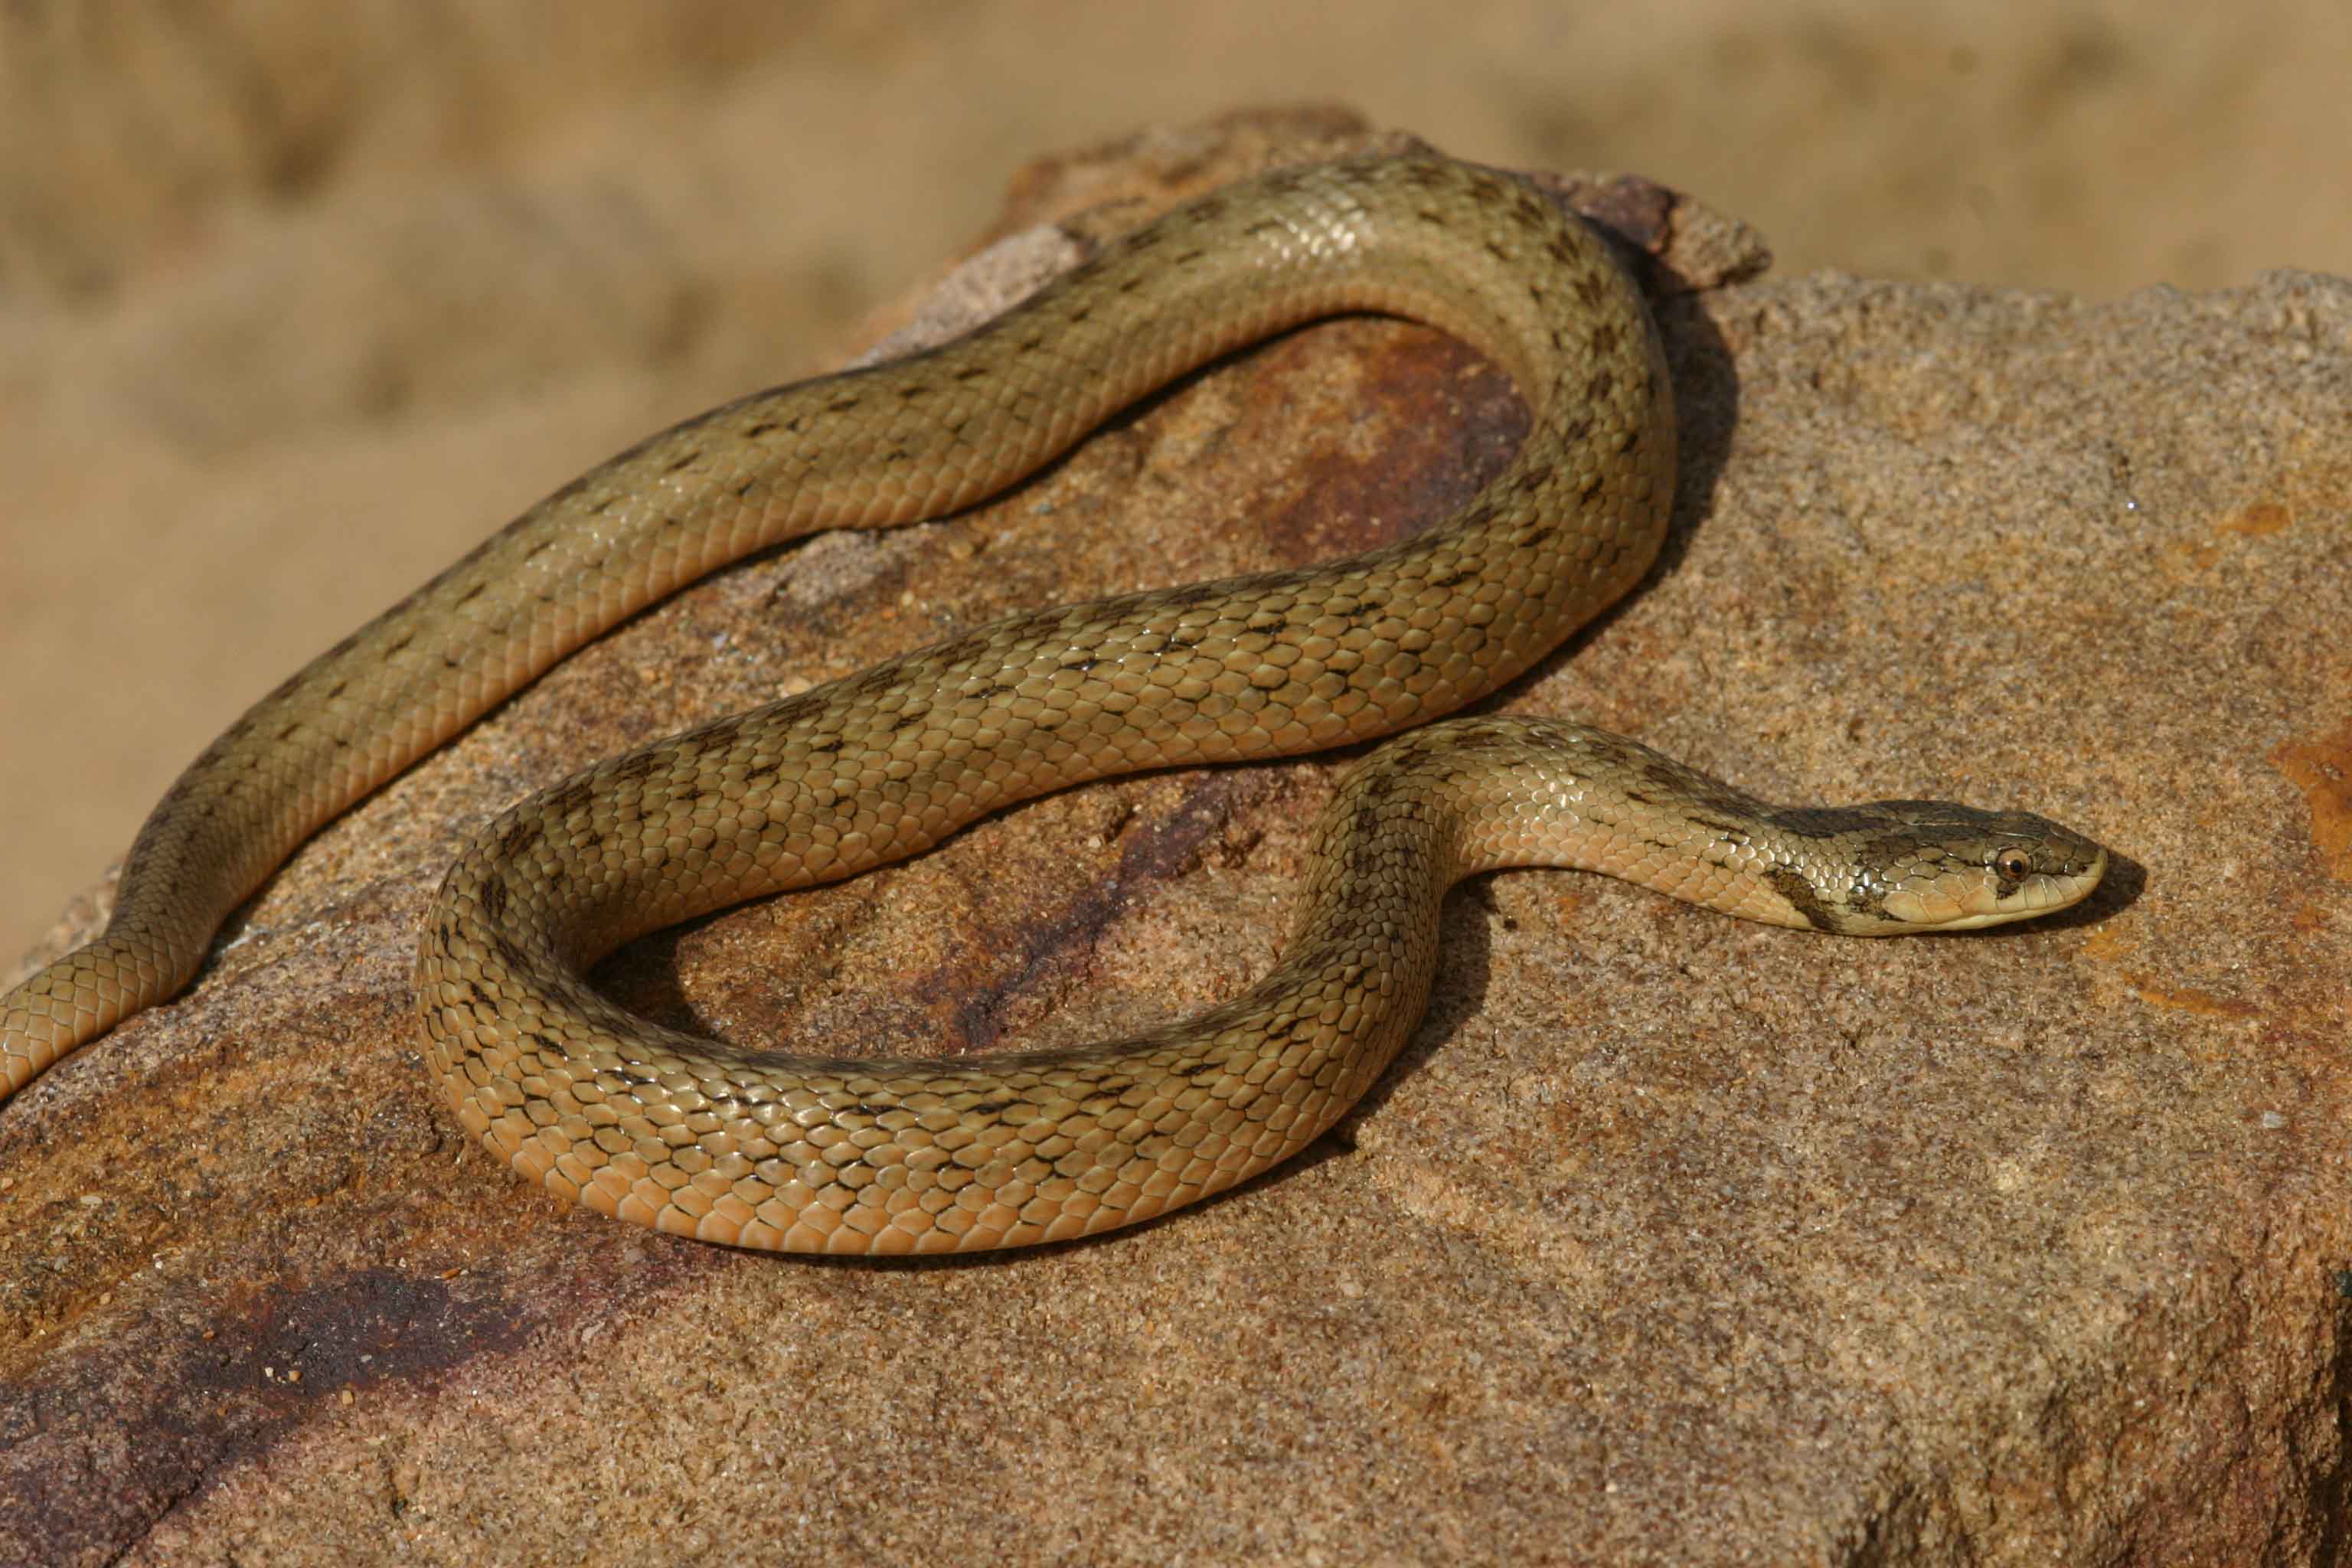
(881, 1156)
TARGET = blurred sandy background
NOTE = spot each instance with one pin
(298, 301)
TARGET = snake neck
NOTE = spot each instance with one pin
(1510, 790)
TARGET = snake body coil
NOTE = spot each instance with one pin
(869, 1155)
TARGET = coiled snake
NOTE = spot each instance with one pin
(845, 1155)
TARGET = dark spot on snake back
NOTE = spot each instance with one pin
(637, 767)
(522, 835)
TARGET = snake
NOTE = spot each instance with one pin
(867, 1155)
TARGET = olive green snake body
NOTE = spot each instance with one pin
(843, 1153)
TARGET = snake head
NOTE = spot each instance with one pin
(1932, 866)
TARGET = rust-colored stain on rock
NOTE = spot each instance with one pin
(2322, 770)
(2189, 999)
(1450, 422)
(2261, 518)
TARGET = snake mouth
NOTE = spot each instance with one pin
(1982, 896)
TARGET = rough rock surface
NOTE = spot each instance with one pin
(1670, 1240)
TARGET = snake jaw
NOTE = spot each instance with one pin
(1991, 868)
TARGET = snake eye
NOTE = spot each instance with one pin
(2012, 864)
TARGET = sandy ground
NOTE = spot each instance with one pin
(295, 307)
